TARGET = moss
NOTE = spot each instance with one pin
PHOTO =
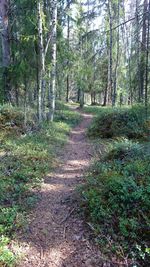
(127, 122)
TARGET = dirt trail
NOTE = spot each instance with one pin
(57, 233)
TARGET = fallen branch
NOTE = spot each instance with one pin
(68, 215)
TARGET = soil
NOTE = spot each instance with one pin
(58, 235)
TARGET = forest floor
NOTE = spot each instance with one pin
(58, 235)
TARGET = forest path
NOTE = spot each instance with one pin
(58, 236)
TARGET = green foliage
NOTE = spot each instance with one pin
(10, 116)
(127, 122)
(117, 199)
(95, 110)
(65, 114)
(12, 120)
(7, 258)
(24, 163)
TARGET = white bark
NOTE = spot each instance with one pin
(110, 79)
(138, 48)
(41, 65)
(53, 58)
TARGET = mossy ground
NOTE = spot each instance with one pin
(116, 195)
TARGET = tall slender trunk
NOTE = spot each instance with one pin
(41, 63)
(114, 96)
(147, 60)
(128, 58)
(81, 99)
(81, 85)
(78, 94)
(53, 59)
(49, 93)
(129, 73)
(6, 58)
(138, 48)
(110, 79)
(143, 50)
(68, 41)
(25, 101)
(105, 96)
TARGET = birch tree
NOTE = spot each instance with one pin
(138, 47)
(114, 93)
(68, 44)
(41, 62)
(110, 79)
(53, 58)
(143, 49)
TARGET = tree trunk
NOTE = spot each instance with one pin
(67, 94)
(41, 63)
(110, 80)
(143, 50)
(117, 62)
(138, 49)
(81, 98)
(4, 9)
(25, 102)
(147, 61)
(53, 58)
(68, 40)
(105, 96)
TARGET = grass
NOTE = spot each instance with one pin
(95, 110)
(26, 157)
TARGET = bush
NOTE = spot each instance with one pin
(7, 258)
(12, 120)
(117, 200)
(127, 122)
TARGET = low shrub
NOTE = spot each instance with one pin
(7, 257)
(127, 122)
(116, 200)
(14, 122)
(95, 110)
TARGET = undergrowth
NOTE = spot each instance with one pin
(116, 197)
(128, 122)
(117, 201)
(95, 110)
(27, 153)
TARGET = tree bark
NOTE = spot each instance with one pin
(110, 80)
(114, 96)
(68, 40)
(143, 51)
(147, 61)
(105, 96)
(138, 49)
(41, 63)
(53, 59)
(6, 58)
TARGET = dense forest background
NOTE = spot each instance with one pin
(81, 64)
(73, 49)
